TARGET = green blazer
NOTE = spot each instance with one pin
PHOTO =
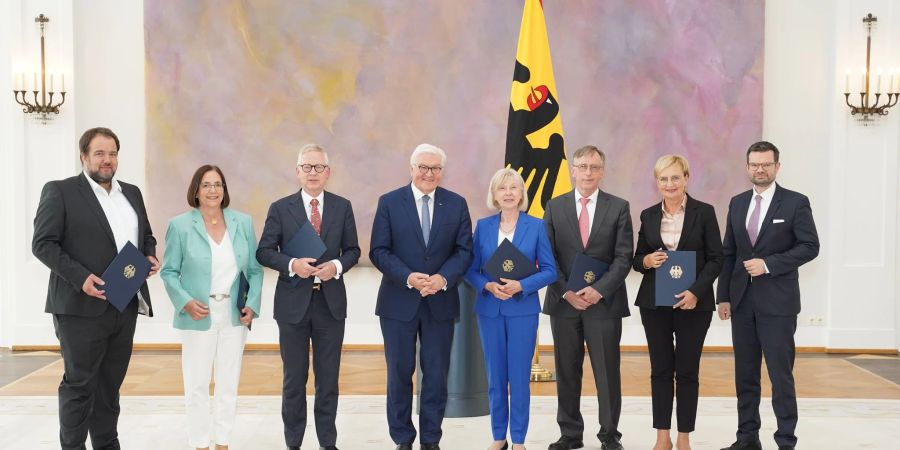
(187, 265)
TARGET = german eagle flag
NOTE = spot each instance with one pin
(534, 136)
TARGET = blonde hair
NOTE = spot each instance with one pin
(500, 177)
(665, 161)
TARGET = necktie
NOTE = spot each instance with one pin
(426, 219)
(584, 222)
(315, 217)
(753, 224)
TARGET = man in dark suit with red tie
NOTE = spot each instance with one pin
(80, 226)
(310, 296)
(769, 234)
(590, 221)
(422, 244)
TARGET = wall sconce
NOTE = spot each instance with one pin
(868, 110)
(44, 106)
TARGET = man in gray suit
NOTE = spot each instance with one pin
(588, 220)
(310, 297)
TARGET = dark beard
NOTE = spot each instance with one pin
(99, 179)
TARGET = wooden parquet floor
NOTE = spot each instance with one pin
(158, 373)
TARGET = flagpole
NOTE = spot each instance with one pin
(538, 372)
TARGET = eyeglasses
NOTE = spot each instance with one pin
(675, 179)
(589, 167)
(766, 165)
(307, 168)
(423, 169)
(212, 186)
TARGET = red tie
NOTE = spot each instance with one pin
(584, 221)
(315, 217)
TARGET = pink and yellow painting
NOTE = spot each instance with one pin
(244, 84)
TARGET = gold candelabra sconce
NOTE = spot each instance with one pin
(41, 103)
(868, 110)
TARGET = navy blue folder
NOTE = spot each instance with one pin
(305, 244)
(124, 276)
(674, 276)
(586, 271)
(243, 290)
(508, 262)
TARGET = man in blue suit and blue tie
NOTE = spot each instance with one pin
(422, 244)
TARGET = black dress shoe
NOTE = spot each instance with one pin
(404, 446)
(744, 445)
(612, 444)
(433, 446)
(566, 443)
(293, 447)
(785, 447)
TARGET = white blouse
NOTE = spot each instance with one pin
(224, 265)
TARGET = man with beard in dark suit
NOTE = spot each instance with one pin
(80, 226)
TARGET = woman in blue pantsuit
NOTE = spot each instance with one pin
(508, 310)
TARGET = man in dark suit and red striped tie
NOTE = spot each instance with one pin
(769, 234)
(312, 310)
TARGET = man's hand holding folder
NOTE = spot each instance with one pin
(585, 272)
(124, 276)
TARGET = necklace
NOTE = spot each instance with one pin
(214, 221)
(509, 230)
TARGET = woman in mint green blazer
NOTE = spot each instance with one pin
(208, 250)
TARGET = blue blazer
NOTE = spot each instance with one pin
(531, 239)
(187, 269)
(399, 249)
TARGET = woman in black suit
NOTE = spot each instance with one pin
(678, 222)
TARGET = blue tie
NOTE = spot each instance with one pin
(426, 219)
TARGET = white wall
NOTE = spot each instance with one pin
(849, 172)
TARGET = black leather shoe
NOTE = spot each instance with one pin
(744, 445)
(612, 444)
(404, 446)
(785, 447)
(433, 446)
(566, 443)
(293, 447)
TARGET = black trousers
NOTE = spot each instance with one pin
(96, 352)
(675, 342)
(327, 336)
(755, 335)
(602, 337)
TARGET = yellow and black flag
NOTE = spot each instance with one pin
(534, 136)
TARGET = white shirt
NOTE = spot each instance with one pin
(224, 265)
(763, 209)
(501, 236)
(591, 207)
(122, 218)
(118, 211)
(307, 199)
(763, 205)
(417, 195)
